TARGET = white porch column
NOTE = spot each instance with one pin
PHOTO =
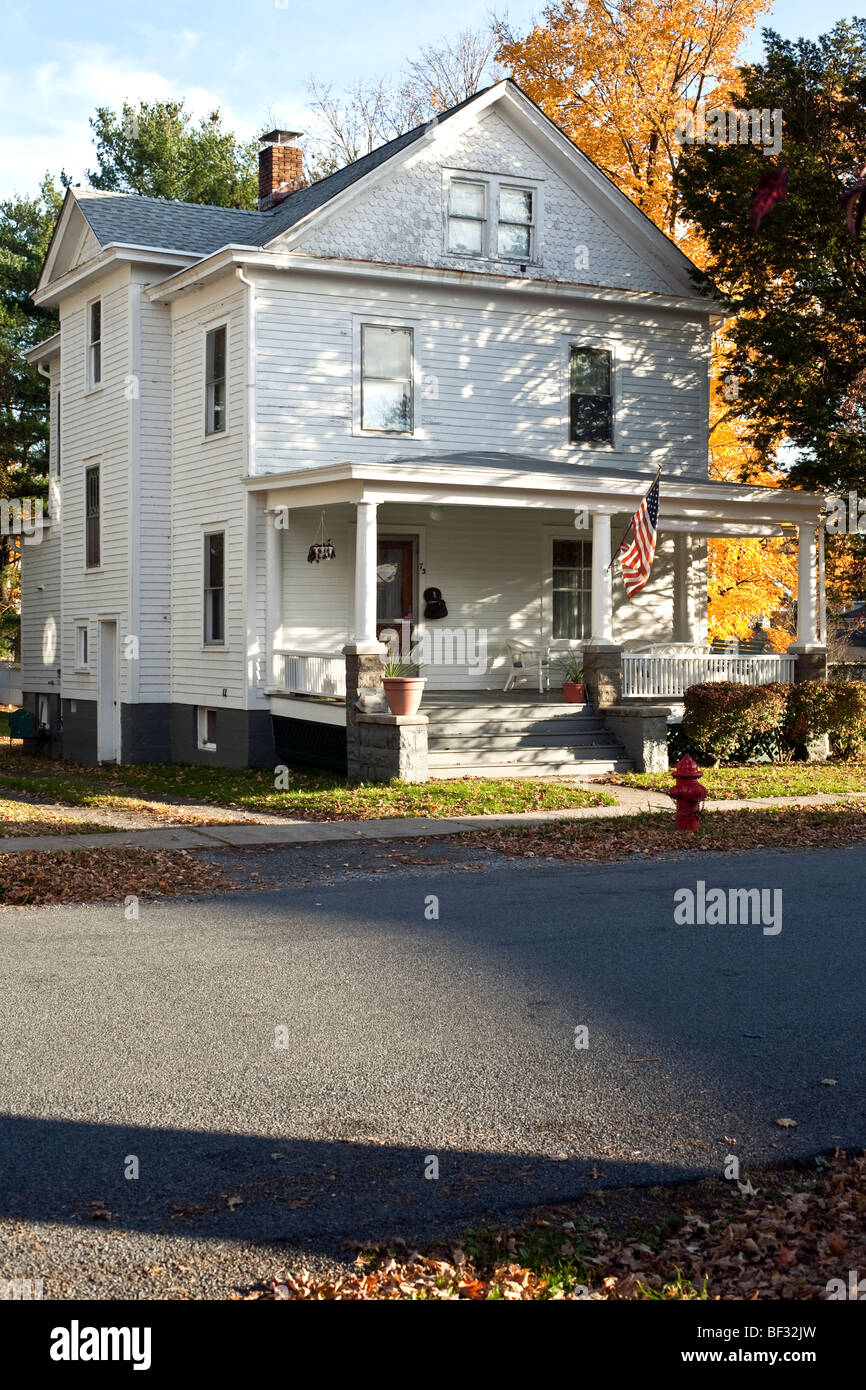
(365, 574)
(807, 628)
(683, 606)
(273, 595)
(602, 580)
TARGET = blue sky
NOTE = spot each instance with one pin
(252, 58)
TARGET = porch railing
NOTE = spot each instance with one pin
(672, 675)
(310, 673)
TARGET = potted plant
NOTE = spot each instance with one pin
(404, 685)
(573, 687)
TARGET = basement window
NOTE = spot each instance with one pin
(207, 729)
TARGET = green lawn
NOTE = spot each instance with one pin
(311, 794)
(761, 779)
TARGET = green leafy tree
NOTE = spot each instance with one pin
(26, 225)
(797, 284)
(157, 150)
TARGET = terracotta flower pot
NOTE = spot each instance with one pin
(403, 693)
(573, 694)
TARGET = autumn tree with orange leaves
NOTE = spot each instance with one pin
(617, 79)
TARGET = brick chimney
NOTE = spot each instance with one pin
(280, 167)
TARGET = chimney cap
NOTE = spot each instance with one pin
(280, 137)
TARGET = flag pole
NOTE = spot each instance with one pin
(633, 515)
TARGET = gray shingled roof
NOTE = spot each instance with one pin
(201, 230)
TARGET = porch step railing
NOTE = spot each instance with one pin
(310, 673)
(672, 675)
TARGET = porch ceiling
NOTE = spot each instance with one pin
(513, 480)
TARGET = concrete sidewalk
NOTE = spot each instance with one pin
(631, 800)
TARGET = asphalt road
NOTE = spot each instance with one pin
(407, 1038)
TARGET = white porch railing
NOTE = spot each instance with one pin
(672, 675)
(310, 673)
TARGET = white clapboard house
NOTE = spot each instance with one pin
(461, 360)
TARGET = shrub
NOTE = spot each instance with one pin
(729, 722)
(723, 719)
(834, 708)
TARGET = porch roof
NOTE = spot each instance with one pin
(499, 479)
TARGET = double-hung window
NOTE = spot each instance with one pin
(215, 381)
(572, 589)
(590, 396)
(467, 217)
(94, 344)
(92, 518)
(515, 223)
(386, 379)
(214, 588)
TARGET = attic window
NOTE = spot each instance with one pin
(467, 218)
(515, 223)
(94, 343)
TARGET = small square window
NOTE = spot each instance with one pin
(207, 729)
(81, 650)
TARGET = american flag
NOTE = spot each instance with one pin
(637, 556)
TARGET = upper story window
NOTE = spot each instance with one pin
(515, 223)
(386, 379)
(92, 518)
(94, 344)
(590, 396)
(214, 588)
(57, 433)
(467, 217)
(215, 381)
(492, 218)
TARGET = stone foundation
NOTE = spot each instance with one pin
(643, 732)
(391, 745)
(602, 672)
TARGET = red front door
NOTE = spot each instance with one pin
(395, 584)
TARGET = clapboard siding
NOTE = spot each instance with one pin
(207, 494)
(490, 373)
(492, 567)
(153, 515)
(95, 428)
(40, 615)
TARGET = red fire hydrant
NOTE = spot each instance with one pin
(688, 794)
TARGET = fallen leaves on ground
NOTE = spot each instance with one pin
(743, 780)
(19, 818)
(36, 877)
(652, 836)
(784, 1234)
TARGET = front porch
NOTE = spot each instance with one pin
(521, 552)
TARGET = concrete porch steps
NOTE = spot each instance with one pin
(501, 738)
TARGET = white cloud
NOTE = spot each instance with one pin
(57, 97)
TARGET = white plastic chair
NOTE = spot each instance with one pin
(524, 661)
